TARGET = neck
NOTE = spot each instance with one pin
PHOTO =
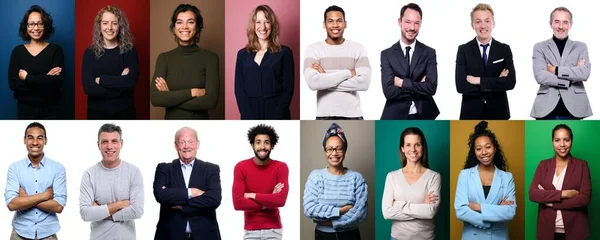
(39, 42)
(264, 44)
(111, 44)
(413, 167)
(338, 41)
(483, 168)
(35, 161)
(187, 161)
(261, 163)
(405, 41)
(114, 164)
(562, 159)
(185, 44)
(341, 170)
(484, 41)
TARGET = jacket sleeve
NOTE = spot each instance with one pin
(358, 212)
(540, 72)
(575, 73)
(461, 204)
(460, 74)
(429, 86)
(498, 213)
(276, 200)
(163, 193)
(501, 84)
(211, 197)
(585, 193)
(542, 196)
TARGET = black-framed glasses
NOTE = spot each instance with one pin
(33, 24)
(338, 150)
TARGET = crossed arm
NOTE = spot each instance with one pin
(545, 73)
(243, 200)
(53, 200)
(20, 80)
(403, 210)
(469, 84)
(356, 79)
(561, 199)
(397, 87)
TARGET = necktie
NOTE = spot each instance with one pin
(408, 59)
(485, 57)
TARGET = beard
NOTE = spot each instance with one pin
(267, 156)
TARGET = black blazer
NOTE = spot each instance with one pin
(199, 211)
(487, 100)
(423, 64)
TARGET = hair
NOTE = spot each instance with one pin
(46, 19)
(263, 129)
(124, 37)
(110, 128)
(562, 126)
(481, 130)
(185, 129)
(564, 9)
(412, 6)
(414, 131)
(253, 45)
(482, 7)
(35, 124)
(198, 17)
(334, 8)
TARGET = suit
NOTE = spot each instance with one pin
(492, 221)
(199, 211)
(568, 84)
(573, 210)
(422, 64)
(488, 99)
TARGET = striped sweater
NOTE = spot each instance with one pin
(325, 194)
(336, 88)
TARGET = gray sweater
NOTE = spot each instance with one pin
(108, 185)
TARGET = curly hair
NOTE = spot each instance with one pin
(482, 130)
(424, 156)
(46, 19)
(124, 37)
(263, 129)
(253, 45)
(198, 17)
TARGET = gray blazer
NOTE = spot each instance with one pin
(569, 82)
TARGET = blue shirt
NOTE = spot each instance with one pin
(33, 222)
(187, 172)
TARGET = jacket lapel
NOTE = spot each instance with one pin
(178, 174)
(495, 188)
(197, 170)
(415, 59)
(569, 171)
(479, 196)
(400, 57)
(566, 52)
(554, 50)
(477, 55)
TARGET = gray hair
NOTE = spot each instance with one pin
(109, 128)
(185, 129)
(564, 9)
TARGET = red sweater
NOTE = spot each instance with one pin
(263, 211)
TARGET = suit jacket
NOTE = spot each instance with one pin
(569, 82)
(493, 218)
(574, 210)
(488, 99)
(199, 211)
(423, 64)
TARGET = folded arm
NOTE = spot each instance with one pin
(211, 198)
(362, 80)
(276, 200)
(164, 195)
(585, 193)
(428, 87)
(89, 211)
(461, 204)
(501, 84)
(240, 203)
(212, 89)
(135, 210)
(501, 213)
(88, 79)
(322, 81)
(390, 90)
(358, 212)
(313, 209)
(169, 98)
(127, 81)
(59, 197)
(541, 73)
(460, 75)
(50, 82)
(577, 73)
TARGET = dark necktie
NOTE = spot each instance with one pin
(485, 56)
(408, 59)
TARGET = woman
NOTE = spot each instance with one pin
(411, 194)
(335, 198)
(264, 71)
(186, 79)
(35, 69)
(485, 192)
(562, 187)
(110, 67)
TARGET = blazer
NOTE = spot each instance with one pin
(423, 64)
(488, 99)
(573, 210)
(200, 211)
(568, 84)
(492, 222)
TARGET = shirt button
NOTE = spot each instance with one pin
(35, 191)
(35, 180)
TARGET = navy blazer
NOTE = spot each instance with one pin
(423, 64)
(199, 211)
(264, 91)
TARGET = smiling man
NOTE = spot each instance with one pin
(112, 191)
(260, 186)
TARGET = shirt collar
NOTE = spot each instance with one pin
(479, 43)
(403, 45)
(189, 165)
(28, 163)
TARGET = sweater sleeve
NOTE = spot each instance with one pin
(404, 210)
(287, 93)
(135, 210)
(88, 78)
(166, 98)
(276, 200)
(124, 82)
(88, 212)
(321, 81)
(313, 209)
(362, 80)
(49, 82)
(240, 203)
(14, 82)
(212, 88)
(389, 210)
(358, 212)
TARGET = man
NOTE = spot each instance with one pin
(337, 68)
(189, 192)
(409, 72)
(260, 186)
(484, 70)
(560, 65)
(35, 189)
(112, 191)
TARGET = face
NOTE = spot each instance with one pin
(109, 26)
(410, 23)
(35, 26)
(185, 27)
(485, 150)
(35, 140)
(483, 23)
(110, 144)
(412, 148)
(335, 25)
(262, 26)
(187, 145)
(334, 151)
(562, 142)
(561, 23)
(262, 147)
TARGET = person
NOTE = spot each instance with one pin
(260, 186)
(35, 70)
(411, 196)
(36, 189)
(409, 72)
(112, 191)
(337, 69)
(484, 70)
(264, 70)
(485, 198)
(186, 79)
(562, 187)
(560, 66)
(110, 67)
(335, 197)
(189, 192)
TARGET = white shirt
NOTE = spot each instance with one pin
(487, 51)
(187, 173)
(557, 181)
(413, 108)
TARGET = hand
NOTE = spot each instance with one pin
(22, 74)
(95, 204)
(581, 62)
(353, 72)
(49, 193)
(198, 92)
(317, 67)
(569, 193)
(504, 73)
(97, 80)
(124, 203)
(125, 72)
(475, 207)
(54, 71)
(551, 68)
(473, 80)
(324, 223)
(506, 202)
(22, 192)
(161, 84)
(250, 195)
(540, 187)
(431, 198)
(398, 81)
(278, 188)
(345, 209)
(177, 207)
(423, 80)
(196, 192)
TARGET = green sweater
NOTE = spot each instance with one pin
(184, 68)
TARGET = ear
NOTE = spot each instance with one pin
(25, 140)
(400, 22)
(324, 25)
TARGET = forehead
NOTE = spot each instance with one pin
(481, 140)
(334, 15)
(561, 15)
(411, 14)
(108, 16)
(482, 14)
(186, 134)
(262, 137)
(561, 133)
(109, 135)
(187, 15)
(35, 131)
(334, 141)
(412, 138)
(261, 15)
(35, 16)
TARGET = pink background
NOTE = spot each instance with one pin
(237, 13)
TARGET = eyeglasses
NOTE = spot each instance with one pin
(338, 150)
(38, 24)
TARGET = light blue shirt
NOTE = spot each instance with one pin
(33, 222)
(187, 172)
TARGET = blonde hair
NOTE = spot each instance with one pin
(124, 37)
(253, 45)
(482, 7)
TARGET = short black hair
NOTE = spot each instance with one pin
(109, 128)
(35, 124)
(334, 8)
(199, 21)
(562, 126)
(263, 129)
(412, 6)
(46, 19)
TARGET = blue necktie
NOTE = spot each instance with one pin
(485, 57)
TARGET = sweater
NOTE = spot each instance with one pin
(184, 68)
(325, 194)
(336, 88)
(263, 211)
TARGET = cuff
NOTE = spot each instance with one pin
(189, 193)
